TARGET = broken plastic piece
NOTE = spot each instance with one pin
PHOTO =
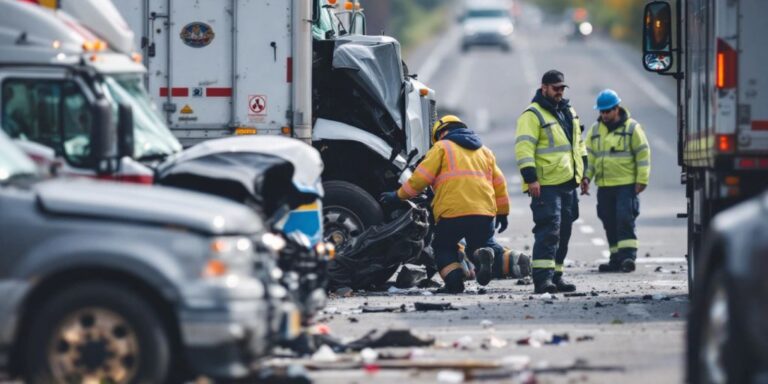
(450, 377)
(325, 354)
(423, 307)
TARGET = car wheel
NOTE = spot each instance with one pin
(96, 332)
(714, 355)
(348, 211)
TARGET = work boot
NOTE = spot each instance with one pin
(612, 265)
(454, 282)
(562, 285)
(628, 265)
(544, 286)
(484, 257)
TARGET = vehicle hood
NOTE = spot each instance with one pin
(151, 205)
(485, 25)
(267, 172)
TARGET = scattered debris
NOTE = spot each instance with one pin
(291, 374)
(325, 354)
(368, 355)
(525, 281)
(585, 338)
(409, 277)
(675, 314)
(575, 294)
(450, 376)
(423, 307)
(493, 342)
(353, 319)
(546, 296)
(594, 294)
(344, 292)
(541, 337)
(486, 324)
(482, 291)
(390, 338)
(599, 305)
(372, 309)
(464, 342)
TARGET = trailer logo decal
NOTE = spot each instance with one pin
(197, 34)
(257, 105)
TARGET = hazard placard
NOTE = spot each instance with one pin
(257, 105)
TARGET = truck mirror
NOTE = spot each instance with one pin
(125, 130)
(103, 136)
(316, 9)
(657, 37)
(358, 24)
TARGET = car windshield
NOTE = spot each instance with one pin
(486, 13)
(13, 162)
(152, 138)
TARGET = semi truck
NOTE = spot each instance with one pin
(717, 57)
(238, 68)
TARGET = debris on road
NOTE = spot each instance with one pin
(486, 324)
(291, 374)
(424, 307)
(325, 354)
(391, 338)
(493, 342)
(541, 337)
(409, 277)
(525, 281)
(447, 376)
(575, 294)
(374, 309)
(464, 342)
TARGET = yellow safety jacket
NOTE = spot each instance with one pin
(542, 143)
(466, 182)
(620, 157)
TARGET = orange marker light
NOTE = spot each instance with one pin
(349, 6)
(215, 268)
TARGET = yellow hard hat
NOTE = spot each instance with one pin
(443, 123)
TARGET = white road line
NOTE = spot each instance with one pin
(482, 120)
(634, 74)
(455, 93)
(437, 57)
(586, 229)
(598, 241)
(655, 260)
(527, 63)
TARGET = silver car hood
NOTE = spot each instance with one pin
(146, 204)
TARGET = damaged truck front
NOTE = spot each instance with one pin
(251, 68)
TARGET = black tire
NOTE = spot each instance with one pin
(353, 205)
(154, 353)
(732, 353)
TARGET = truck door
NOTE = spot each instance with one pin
(752, 79)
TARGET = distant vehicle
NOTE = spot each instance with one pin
(727, 342)
(722, 104)
(105, 282)
(486, 23)
(580, 26)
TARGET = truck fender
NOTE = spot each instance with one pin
(335, 130)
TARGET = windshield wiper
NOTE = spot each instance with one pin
(153, 157)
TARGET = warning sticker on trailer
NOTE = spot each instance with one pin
(257, 105)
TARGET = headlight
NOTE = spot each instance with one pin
(506, 29)
(229, 256)
(273, 241)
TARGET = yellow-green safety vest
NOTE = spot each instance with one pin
(542, 143)
(620, 157)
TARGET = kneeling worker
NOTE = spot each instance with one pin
(470, 191)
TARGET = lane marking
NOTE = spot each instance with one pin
(654, 260)
(586, 229)
(437, 57)
(634, 74)
(527, 63)
(460, 81)
(482, 120)
(598, 241)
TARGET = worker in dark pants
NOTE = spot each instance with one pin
(470, 200)
(620, 165)
(551, 157)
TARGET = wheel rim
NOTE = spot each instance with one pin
(716, 337)
(340, 225)
(93, 345)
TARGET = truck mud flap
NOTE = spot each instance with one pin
(374, 256)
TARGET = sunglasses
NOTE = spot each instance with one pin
(606, 111)
(559, 88)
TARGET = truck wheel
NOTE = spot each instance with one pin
(715, 353)
(96, 332)
(348, 210)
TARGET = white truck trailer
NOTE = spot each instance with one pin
(255, 67)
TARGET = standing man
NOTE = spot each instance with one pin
(551, 157)
(620, 165)
(470, 192)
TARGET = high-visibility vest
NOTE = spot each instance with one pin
(618, 157)
(542, 143)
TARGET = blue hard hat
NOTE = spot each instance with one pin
(607, 99)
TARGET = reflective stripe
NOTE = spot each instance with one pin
(456, 174)
(559, 148)
(505, 267)
(504, 200)
(640, 148)
(543, 264)
(558, 268)
(632, 126)
(629, 243)
(424, 172)
(612, 154)
(409, 190)
(550, 135)
(526, 160)
(528, 138)
(539, 116)
(614, 249)
(449, 155)
(448, 269)
(643, 163)
(498, 181)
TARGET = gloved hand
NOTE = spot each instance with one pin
(501, 223)
(389, 198)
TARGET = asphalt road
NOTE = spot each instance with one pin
(642, 339)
